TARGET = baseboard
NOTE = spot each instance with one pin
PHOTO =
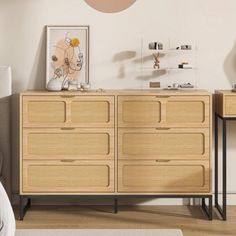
(72, 200)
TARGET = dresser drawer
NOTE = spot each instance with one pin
(187, 111)
(225, 103)
(68, 143)
(43, 111)
(163, 111)
(163, 177)
(139, 111)
(230, 105)
(68, 111)
(164, 143)
(92, 111)
(67, 177)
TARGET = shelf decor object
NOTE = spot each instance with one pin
(110, 6)
(67, 57)
(169, 62)
(116, 144)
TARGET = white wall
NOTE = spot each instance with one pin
(209, 23)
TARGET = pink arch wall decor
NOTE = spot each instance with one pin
(110, 6)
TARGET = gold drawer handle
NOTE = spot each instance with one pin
(162, 128)
(67, 160)
(68, 128)
(162, 160)
(162, 96)
(67, 96)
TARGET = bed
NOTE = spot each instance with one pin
(7, 218)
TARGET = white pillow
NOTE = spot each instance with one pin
(7, 218)
(5, 81)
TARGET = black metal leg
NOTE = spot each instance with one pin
(222, 210)
(216, 159)
(21, 213)
(224, 170)
(24, 207)
(115, 205)
(207, 210)
(25, 202)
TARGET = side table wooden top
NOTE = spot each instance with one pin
(225, 103)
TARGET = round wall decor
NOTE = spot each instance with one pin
(110, 6)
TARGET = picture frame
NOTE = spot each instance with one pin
(67, 57)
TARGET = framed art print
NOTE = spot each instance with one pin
(67, 57)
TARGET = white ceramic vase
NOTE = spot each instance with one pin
(55, 84)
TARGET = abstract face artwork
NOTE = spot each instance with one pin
(110, 6)
(67, 59)
(67, 54)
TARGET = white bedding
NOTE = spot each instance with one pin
(7, 218)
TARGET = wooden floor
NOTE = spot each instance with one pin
(191, 220)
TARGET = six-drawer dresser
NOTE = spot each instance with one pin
(117, 143)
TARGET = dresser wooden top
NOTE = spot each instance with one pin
(119, 92)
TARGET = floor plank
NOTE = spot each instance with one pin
(191, 220)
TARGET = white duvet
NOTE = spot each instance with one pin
(7, 219)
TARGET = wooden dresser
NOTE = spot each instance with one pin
(115, 143)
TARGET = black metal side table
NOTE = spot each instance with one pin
(225, 110)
